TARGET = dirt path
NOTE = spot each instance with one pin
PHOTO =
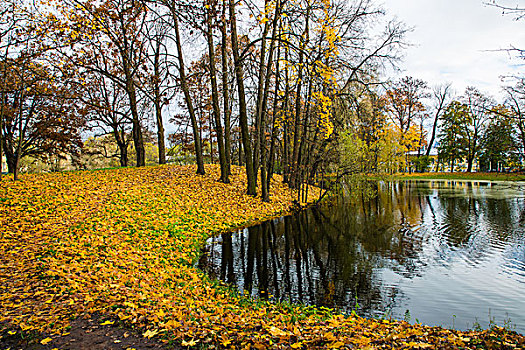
(87, 334)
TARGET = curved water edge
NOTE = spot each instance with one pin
(439, 252)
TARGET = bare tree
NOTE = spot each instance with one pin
(113, 46)
(441, 95)
(243, 113)
(186, 91)
(156, 86)
(109, 112)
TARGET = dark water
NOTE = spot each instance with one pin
(451, 253)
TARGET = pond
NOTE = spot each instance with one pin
(444, 253)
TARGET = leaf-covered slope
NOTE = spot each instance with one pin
(122, 243)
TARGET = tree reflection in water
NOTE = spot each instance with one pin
(388, 253)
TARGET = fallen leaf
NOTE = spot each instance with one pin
(46, 341)
(189, 343)
(150, 333)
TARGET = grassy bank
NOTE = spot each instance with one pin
(463, 176)
(122, 244)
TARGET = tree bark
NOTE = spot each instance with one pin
(122, 145)
(158, 106)
(297, 122)
(469, 164)
(189, 103)
(11, 162)
(1, 135)
(273, 140)
(302, 142)
(137, 130)
(21, 131)
(265, 188)
(132, 95)
(243, 115)
(160, 134)
(215, 98)
(286, 137)
(19, 146)
(259, 124)
(3, 102)
(225, 90)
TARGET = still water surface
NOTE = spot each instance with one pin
(451, 253)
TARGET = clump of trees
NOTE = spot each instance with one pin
(257, 83)
(395, 128)
(277, 86)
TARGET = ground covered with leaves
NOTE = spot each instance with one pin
(122, 245)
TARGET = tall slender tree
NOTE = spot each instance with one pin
(441, 95)
(187, 97)
(243, 113)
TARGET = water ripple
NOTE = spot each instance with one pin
(452, 253)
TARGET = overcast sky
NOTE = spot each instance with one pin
(452, 39)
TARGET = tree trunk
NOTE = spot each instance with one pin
(123, 155)
(273, 140)
(16, 168)
(120, 138)
(433, 137)
(240, 152)
(243, 115)
(215, 99)
(11, 162)
(160, 134)
(210, 137)
(297, 123)
(137, 130)
(286, 139)
(1, 137)
(158, 106)
(521, 127)
(3, 102)
(262, 105)
(18, 154)
(302, 142)
(21, 133)
(225, 90)
(469, 164)
(259, 108)
(189, 103)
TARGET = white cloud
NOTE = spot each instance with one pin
(453, 41)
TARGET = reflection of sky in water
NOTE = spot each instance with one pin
(452, 253)
(477, 275)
